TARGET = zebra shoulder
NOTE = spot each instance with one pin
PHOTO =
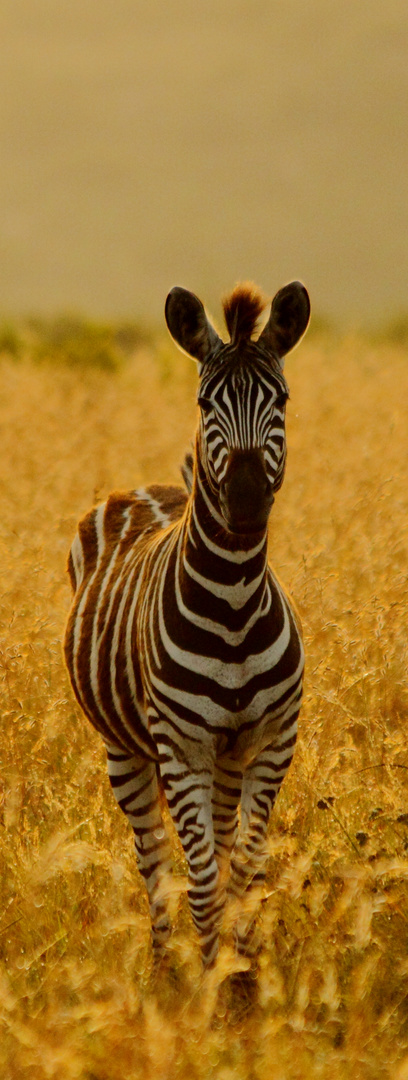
(121, 521)
(166, 503)
(130, 516)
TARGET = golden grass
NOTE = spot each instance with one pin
(77, 995)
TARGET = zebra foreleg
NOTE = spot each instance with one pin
(227, 784)
(135, 787)
(260, 787)
(189, 796)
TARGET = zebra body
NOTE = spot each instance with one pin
(183, 648)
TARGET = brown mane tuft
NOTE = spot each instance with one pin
(242, 309)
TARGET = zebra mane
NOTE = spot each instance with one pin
(242, 309)
(187, 469)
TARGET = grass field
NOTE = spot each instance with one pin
(78, 999)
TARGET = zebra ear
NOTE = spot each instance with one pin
(188, 324)
(290, 314)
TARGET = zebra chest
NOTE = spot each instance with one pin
(233, 695)
(194, 648)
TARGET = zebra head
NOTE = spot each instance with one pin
(242, 395)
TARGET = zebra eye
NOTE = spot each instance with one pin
(280, 401)
(205, 405)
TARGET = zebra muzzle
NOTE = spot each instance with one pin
(246, 493)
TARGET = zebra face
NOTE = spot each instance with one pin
(242, 394)
(242, 439)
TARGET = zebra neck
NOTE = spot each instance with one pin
(231, 569)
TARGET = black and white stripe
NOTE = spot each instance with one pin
(183, 648)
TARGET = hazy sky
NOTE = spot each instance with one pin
(147, 143)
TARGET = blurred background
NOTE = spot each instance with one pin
(147, 143)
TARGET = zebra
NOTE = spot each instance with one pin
(183, 649)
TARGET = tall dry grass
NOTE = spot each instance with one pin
(78, 1000)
